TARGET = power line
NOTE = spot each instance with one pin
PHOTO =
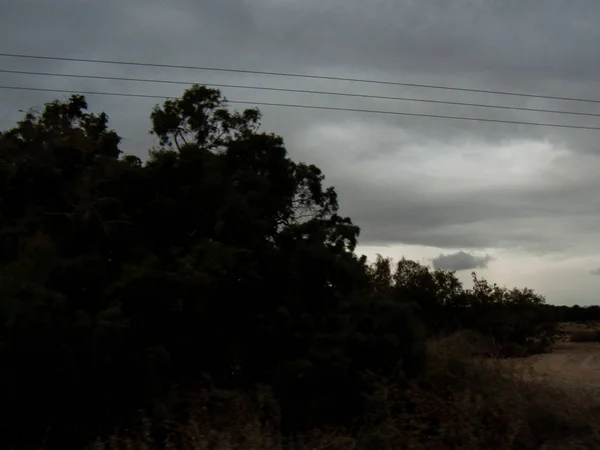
(299, 91)
(295, 75)
(326, 108)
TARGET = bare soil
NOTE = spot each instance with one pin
(574, 368)
(572, 365)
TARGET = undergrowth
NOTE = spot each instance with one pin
(585, 336)
(462, 402)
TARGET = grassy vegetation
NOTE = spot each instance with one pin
(579, 331)
(585, 336)
(460, 402)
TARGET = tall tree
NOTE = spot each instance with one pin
(218, 260)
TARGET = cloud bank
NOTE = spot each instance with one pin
(461, 261)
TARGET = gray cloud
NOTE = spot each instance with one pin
(460, 261)
(595, 272)
(403, 179)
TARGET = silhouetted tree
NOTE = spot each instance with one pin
(219, 261)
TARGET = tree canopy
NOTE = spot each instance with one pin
(217, 261)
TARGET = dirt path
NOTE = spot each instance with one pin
(569, 362)
(573, 365)
(575, 368)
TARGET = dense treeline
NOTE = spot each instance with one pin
(515, 321)
(575, 313)
(217, 262)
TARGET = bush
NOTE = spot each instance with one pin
(460, 402)
(472, 403)
(585, 336)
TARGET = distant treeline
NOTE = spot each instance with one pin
(575, 313)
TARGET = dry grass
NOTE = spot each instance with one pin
(579, 332)
(493, 404)
(576, 326)
(461, 403)
(584, 336)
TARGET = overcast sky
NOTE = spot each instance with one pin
(518, 204)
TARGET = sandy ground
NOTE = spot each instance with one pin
(569, 362)
(574, 365)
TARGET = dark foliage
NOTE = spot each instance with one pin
(515, 322)
(575, 313)
(219, 261)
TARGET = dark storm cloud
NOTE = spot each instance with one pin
(482, 44)
(460, 261)
(549, 47)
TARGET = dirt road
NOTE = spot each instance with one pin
(573, 365)
(575, 369)
(569, 361)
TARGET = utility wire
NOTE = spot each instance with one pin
(295, 75)
(327, 108)
(299, 91)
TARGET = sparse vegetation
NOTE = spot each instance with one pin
(459, 402)
(211, 297)
(578, 332)
(585, 336)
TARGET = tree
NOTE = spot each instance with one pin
(58, 214)
(217, 261)
(293, 254)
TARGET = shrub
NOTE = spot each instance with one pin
(473, 403)
(461, 402)
(585, 336)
